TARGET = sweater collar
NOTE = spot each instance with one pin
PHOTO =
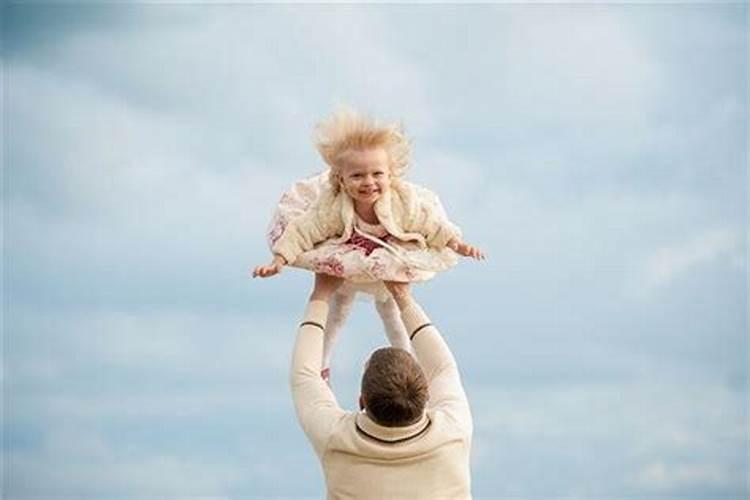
(390, 435)
(383, 205)
(347, 216)
(390, 203)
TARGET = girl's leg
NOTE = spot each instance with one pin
(340, 306)
(394, 326)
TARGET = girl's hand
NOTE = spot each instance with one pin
(401, 293)
(271, 269)
(398, 288)
(466, 250)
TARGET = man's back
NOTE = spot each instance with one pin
(427, 460)
(362, 459)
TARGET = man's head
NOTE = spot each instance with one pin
(394, 388)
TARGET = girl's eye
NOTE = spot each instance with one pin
(378, 174)
(356, 176)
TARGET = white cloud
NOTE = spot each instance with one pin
(533, 74)
(117, 161)
(362, 65)
(582, 65)
(161, 475)
(643, 429)
(206, 345)
(668, 263)
(455, 179)
(665, 477)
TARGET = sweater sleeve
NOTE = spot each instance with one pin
(315, 405)
(428, 218)
(446, 391)
(438, 231)
(304, 232)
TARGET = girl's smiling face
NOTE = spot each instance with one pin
(365, 175)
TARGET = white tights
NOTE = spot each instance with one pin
(340, 307)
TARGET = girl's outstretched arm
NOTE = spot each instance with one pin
(439, 232)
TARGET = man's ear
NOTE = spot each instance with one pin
(361, 402)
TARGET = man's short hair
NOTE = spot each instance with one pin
(394, 387)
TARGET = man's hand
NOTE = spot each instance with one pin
(325, 286)
(401, 293)
(465, 249)
(271, 269)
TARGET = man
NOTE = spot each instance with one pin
(399, 446)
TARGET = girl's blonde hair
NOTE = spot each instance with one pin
(347, 131)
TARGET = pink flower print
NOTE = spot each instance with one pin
(331, 266)
(377, 269)
(277, 230)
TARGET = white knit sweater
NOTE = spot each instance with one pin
(363, 460)
(407, 211)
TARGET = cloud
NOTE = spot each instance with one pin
(609, 438)
(154, 475)
(661, 477)
(591, 54)
(150, 402)
(128, 344)
(519, 70)
(119, 188)
(669, 263)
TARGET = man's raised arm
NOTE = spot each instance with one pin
(436, 358)
(315, 404)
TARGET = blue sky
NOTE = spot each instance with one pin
(596, 152)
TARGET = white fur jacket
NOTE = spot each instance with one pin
(407, 211)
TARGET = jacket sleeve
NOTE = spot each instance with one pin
(446, 391)
(315, 405)
(303, 233)
(427, 217)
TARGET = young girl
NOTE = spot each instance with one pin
(361, 221)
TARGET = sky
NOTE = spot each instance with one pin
(596, 152)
